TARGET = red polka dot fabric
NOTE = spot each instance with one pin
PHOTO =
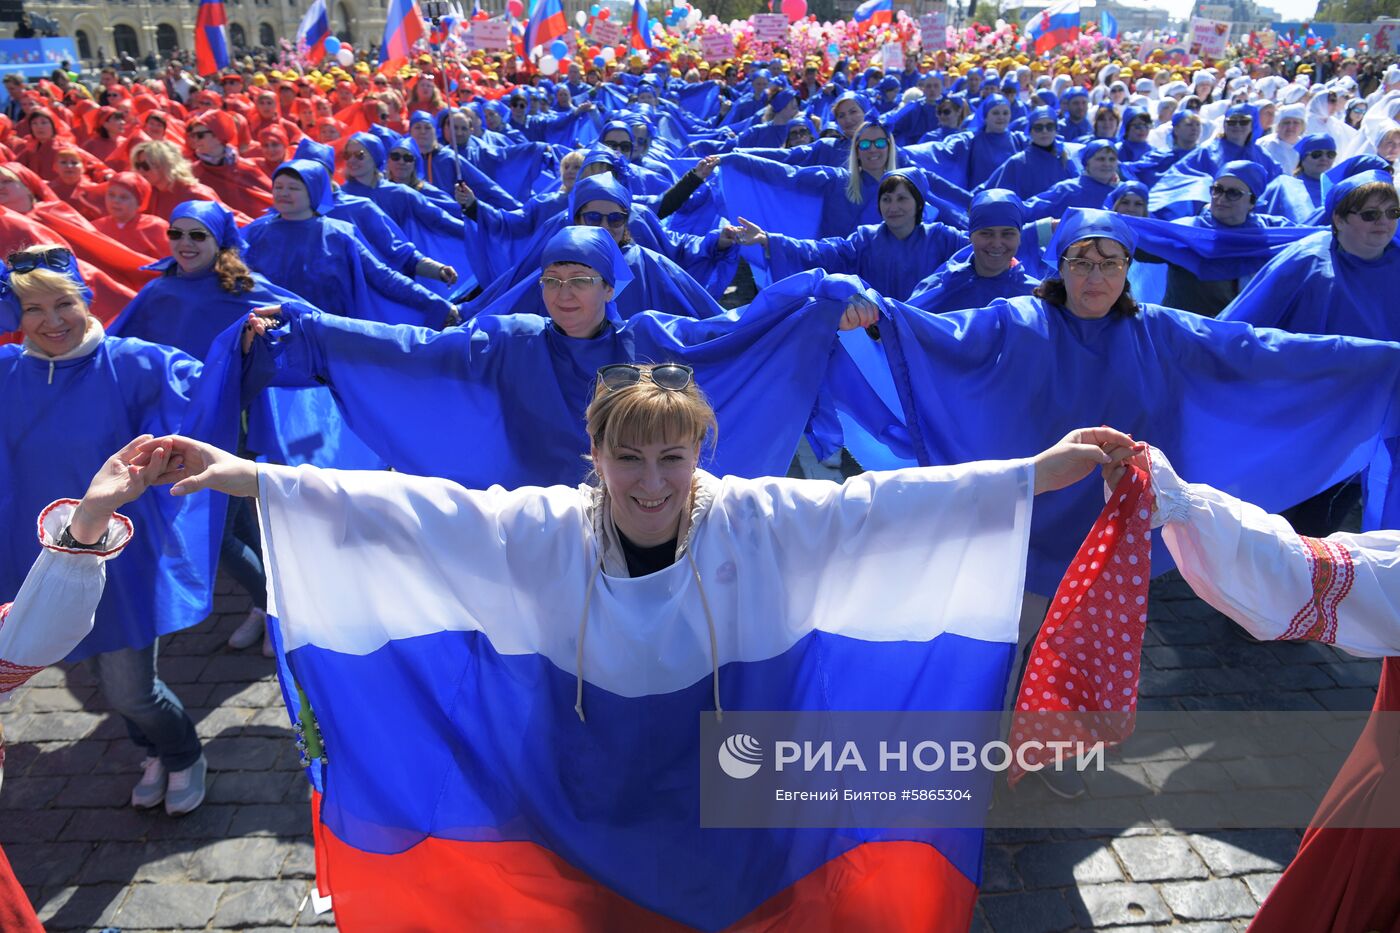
(1081, 680)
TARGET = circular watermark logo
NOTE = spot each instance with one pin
(740, 756)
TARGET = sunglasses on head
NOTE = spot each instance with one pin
(622, 146)
(175, 234)
(674, 377)
(597, 218)
(1229, 194)
(1373, 214)
(865, 145)
(1322, 154)
(54, 257)
(401, 157)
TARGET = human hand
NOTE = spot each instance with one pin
(705, 166)
(750, 234)
(117, 482)
(464, 194)
(194, 465)
(1113, 472)
(259, 322)
(728, 236)
(1076, 455)
(860, 313)
(448, 275)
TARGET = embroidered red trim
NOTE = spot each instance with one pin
(1333, 572)
(130, 532)
(14, 675)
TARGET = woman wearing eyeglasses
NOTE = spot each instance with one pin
(168, 171)
(74, 395)
(1038, 167)
(509, 390)
(658, 281)
(1298, 196)
(1342, 281)
(212, 139)
(301, 249)
(1185, 188)
(968, 159)
(818, 201)
(1099, 159)
(423, 220)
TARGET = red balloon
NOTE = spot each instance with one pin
(604, 13)
(794, 9)
(517, 9)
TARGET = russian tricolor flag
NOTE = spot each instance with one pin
(403, 27)
(210, 46)
(444, 637)
(546, 24)
(1055, 25)
(641, 26)
(315, 28)
(874, 12)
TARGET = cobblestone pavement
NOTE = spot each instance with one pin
(244, 859)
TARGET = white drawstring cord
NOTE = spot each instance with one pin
(710, 624)
(582, 629)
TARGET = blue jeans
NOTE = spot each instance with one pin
(155, 718)
(240, 551)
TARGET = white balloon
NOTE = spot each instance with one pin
(345, 56)
(692, 17)
(548, 65)
(609, 53)
(580, 17)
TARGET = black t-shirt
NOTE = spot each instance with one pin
(644, 560)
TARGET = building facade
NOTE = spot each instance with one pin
(106, 28)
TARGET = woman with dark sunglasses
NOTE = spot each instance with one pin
(1185, 188)
(1298, 196)
(1041, 165)
(1341, 281)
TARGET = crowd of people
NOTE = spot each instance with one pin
(465, 270)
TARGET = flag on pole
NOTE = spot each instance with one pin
(875, 12)
(641, 26)
(315, 28)
(1057, 24)
(402, 28)
(1108, 25)
(210, 46)
(546, 24)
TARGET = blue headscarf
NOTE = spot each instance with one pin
(1246, 110)
(1347, 186)
(914, 179)
(409, 145)
(1040, 114)
(1314, 141)
(1082, 223)
(593, 247)
(995, 207)
(979, 119)
(781, 100)
(1049, 98)
(1130, 114)
(1092, 147)
(216, 218)
(618, 125)
(1127, 187)
(374, 146)
(308, 148)
(10, 309)
(598, 188)
(1072, 93)
(616, 161)
(316, 179)
(421, 116)
(1252, 174)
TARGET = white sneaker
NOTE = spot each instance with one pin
(186, 790)
(246, 635)
(150, 790)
